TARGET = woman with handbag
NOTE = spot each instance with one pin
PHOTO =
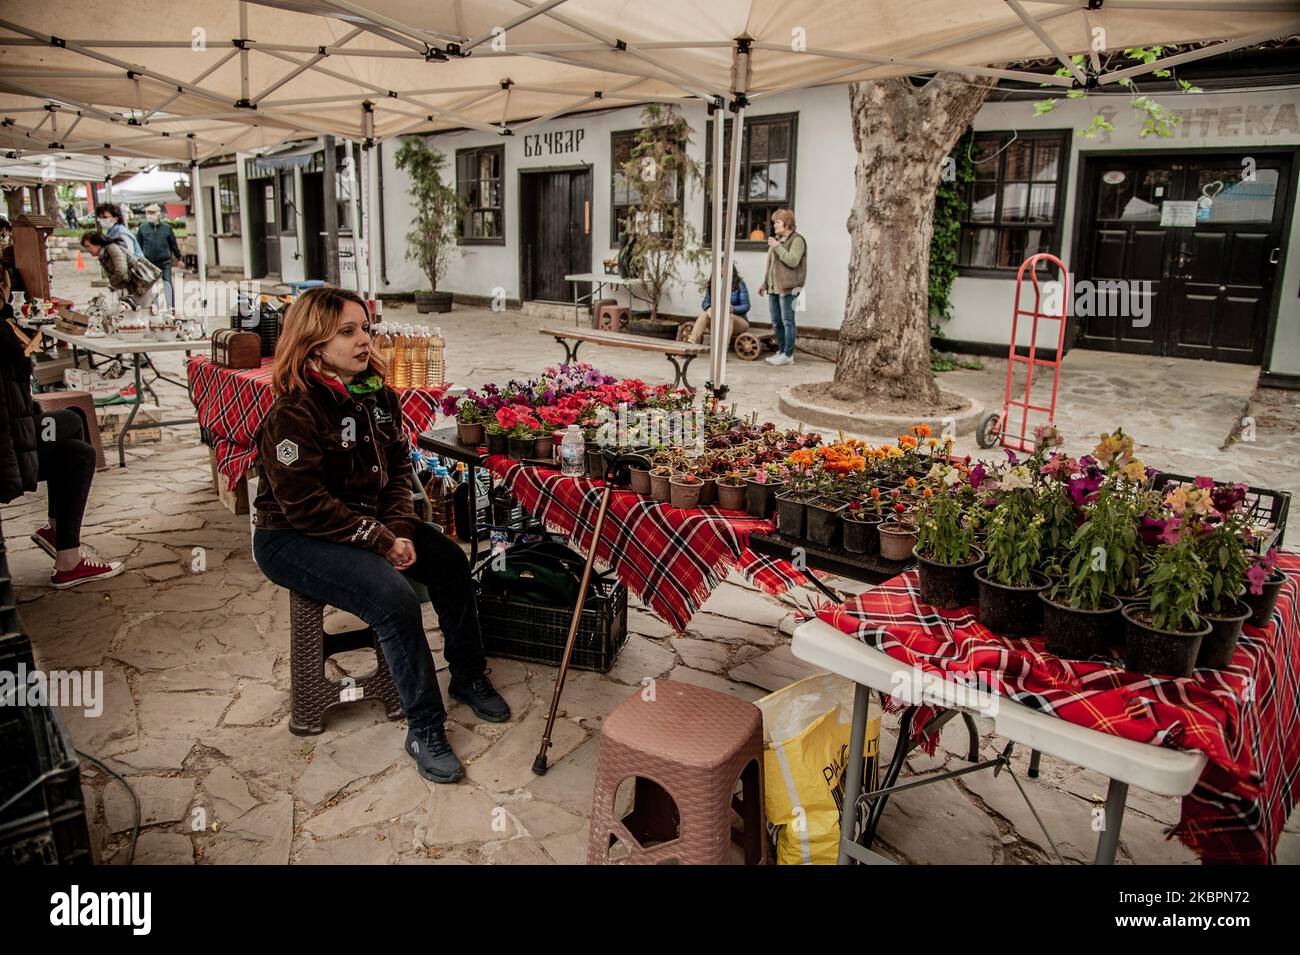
(334, 520)
(132, 277)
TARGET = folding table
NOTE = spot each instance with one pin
(1158, 769)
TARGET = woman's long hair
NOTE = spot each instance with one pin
(312, 320)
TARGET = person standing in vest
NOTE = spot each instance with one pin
(159, 244)
(787, 267)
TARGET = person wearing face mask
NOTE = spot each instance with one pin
(159, 244)
(113, 225)
(333, 518)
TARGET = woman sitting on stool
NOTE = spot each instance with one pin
(334, 519)
(739, 309)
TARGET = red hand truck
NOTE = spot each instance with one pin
(1013, 429)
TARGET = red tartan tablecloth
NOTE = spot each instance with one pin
(231, 403)
(671, 558)
(1246, 720)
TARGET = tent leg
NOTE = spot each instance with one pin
(201, 228)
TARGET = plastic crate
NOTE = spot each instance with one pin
(1268, 509)
(46, 824)
(520, 630)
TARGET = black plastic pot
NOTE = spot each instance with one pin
(426, 302)
(595, 461)
(791, 512)
(861, 534)
(1011, 611)
(1220, 643)
(1159, 652)
(497, 443)
(948, 586)
(823, 520)
(520, 448)
(544, 448)
(1262, 605)
(1080, 634)
(760, 499)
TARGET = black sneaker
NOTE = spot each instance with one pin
(433, 756)
(481, 696)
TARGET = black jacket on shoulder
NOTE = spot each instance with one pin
(18, 415)
(336, 466)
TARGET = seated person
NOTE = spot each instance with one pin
(739, 309)
(47, 446)
(334, 519)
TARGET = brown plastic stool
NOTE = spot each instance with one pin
(686, 749)
(612, 318)
(84, 404)
(596, 307)
(311, 692)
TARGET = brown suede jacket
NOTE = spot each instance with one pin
(336, 466)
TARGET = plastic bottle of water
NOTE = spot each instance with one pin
(573, 451)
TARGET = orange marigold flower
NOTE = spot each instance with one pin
(921, 430)
(906, 441)
(927, 492)
(875, 493)
(910, 482)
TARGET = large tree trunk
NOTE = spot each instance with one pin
(902, 133)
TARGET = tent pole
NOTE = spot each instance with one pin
(721, 299)
(715, 262)
(357, 244)
(201, 228)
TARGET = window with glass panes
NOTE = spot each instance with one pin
(228, 199)
(480, 185)
(766, 175)
(623, 194)
(1013, 206)
(288, 209)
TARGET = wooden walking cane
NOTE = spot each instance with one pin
(616, 474)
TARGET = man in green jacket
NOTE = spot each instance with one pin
(158, 242)
(787, 268)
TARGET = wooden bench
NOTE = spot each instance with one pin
(681, 354)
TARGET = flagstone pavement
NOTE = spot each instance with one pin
(193, 645)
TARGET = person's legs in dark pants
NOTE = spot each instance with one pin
(168, 292)
(362, 583)
(67, 466)
(778, 322)
(443, 568)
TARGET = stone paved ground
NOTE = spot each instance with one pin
(196, 678)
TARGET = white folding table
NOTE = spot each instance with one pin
(1158, 769)
(139, 353)
(598, 281)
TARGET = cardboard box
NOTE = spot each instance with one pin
(112, 418)
(235, 501)
(84, 379)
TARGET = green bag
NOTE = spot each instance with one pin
(545, 573)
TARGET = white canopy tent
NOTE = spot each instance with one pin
(42, 168)
(155, 186)
(219, 75)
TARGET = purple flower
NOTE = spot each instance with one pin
(1084, 488)
(1257, 575)
(977, 474)
(1150, 530)
(1011, 456)
(1087, 461)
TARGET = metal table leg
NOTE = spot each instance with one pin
(853, 772)
(135, 408)
(1109, 839)
(1034, 758)
(570, 351)
(679, 379)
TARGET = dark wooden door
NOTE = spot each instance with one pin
(555, 232)
(1210, 285)
(313, 225)
(257, 229)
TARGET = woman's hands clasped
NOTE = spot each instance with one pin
(402, 554)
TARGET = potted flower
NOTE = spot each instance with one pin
(660, 487)
(684, 489)
(437, 206)
(862, 523)
(497, 441)
(1265, 583)
(897, 533)
(761, 490)
(521, 428)
(1009, 583)
(470, 416)
(945, 550)
(792, 503)
(1164, 636)
(1225, 548)
(732, 491)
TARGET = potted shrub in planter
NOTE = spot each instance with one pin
(732, 491)
(862, 525)
(1265, 583)
(946, 555)
(436, 208)
(1224, 546)
(1009, 583)
(660, 486)
(684, 489)
(1164, 636)
(470, 415)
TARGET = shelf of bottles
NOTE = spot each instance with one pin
(415, 355)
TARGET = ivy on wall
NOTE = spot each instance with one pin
(949, 209)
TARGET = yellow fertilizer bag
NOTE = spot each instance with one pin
(806, 730)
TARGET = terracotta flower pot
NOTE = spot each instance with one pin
(497, 443)
(660, 488)
(896, 540)
(731, 497)
(1079, 634)
(640, 479)
(1159, 652)
(861, 533)
(1218, 646)
(708, 491)
(948, 586)
(1262, 605)
(682, 494)
(1011, 611)
(469, 434)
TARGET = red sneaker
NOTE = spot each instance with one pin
(44, 539)
(86, 570)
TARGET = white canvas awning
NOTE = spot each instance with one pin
(42, 168)
(155, 186)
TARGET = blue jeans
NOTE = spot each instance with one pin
(782, 311)
(168, 289)
(364, 583)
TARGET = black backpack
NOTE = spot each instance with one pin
(546, 573)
